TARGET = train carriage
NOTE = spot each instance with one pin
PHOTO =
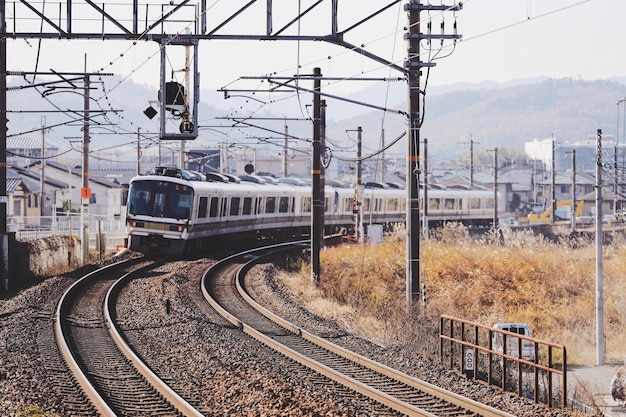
(171, 212)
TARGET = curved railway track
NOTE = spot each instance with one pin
(113, 378)
(224, 288)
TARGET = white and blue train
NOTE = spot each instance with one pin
(173, 212)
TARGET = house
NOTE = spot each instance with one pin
(22, 200)
(584, 184)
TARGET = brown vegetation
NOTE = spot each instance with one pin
(517, 277)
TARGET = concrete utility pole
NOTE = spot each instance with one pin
(600, 348)
(285, 150)
(318, 203)
(573, 215)
(615, 176)
(495, 188)
(138, 150)
(425, 222)
(471, 172)
(359, 183)
(4, 239)
(322, 181)
(414, 66)
(85, 193)
(42, 180)
(553, 174)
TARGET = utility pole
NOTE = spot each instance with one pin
(573, 219)
(471, 172)
(383, 168)
(553, 214)
(495, 188)
(4, 239)
(138, 151)
(86, 191)
(359, 153)
(414, 66)
(42, 181)
(600, 348)
(318, 203)
(285, 146)
(357, 209)
(615, 174)
(425, 222)
(359, 182)
(323, 160)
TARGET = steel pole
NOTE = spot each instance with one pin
(600, 348)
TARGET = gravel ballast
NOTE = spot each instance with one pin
(188, 344)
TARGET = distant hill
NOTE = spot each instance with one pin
(504, 115)
(569, 109)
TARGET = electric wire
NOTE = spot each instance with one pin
(298, 66)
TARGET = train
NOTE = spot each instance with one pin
(173, 212)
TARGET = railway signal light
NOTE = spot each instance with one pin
(355, 206)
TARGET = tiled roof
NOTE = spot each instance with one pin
(13, 183)
(23, 142)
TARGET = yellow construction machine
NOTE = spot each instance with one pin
(544, 216)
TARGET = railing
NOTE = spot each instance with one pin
(469, 348)
(35, 227)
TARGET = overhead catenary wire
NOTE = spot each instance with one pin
(126, 53)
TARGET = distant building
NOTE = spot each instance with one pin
(23, 151)
(586, 151)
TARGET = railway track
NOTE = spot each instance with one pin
(112, 376)
(224, 288)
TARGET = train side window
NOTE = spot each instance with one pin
(449, 204)
(283, 205)
(247, 206)
(214, 207)
(234, 206)
(202, 207)
(475, 203)
(367, 202)
(326, 202)
(489, 203)
(306, 204)
(258, 205)
(223, 211)
(347, 204)
(392, 204)
(434, 203)
(293, 205)
(270, 205)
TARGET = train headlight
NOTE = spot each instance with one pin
(177, 228)
(135, 223)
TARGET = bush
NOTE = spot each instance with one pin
(509, 277)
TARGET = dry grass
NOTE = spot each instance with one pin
(514, 277)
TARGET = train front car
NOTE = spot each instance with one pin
(158, 213)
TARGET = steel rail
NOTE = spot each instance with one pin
(90, 391)
(352, 383)
(91, 388)
(464, 402)
(168, 393)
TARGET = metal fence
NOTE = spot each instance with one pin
(471, 349)
(111, 230)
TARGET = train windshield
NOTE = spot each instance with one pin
(160, 199)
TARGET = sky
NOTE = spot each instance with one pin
(502, 41)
